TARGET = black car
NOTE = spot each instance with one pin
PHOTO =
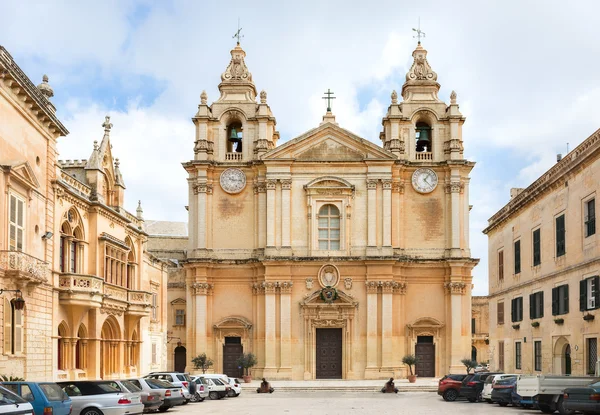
(503, 391)
(472, 385)
(586, 400)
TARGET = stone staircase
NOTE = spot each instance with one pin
(421, 385)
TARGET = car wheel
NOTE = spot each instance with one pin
(231, 393)
(186, 402)
(489, 401)
(471, 400)
(91, 411)
(213, 395)
(163, 409)
(201, 399)
(195, 398)
(546, 408)
(479, 397)
(450, 395)
(561, 407)
(503, 404)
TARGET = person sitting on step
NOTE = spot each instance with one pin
(389, 387)
(265, 387)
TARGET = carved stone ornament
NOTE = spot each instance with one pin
(420, 69)
(237, 69)
(453, 97)
(309, 283)
(455, 187)
(455, 287)
(263, 97)
(203, 98)
(348, 283)
(394, 97)
(233, 181)
(329, 276)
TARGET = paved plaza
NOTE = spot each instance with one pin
(332, 403)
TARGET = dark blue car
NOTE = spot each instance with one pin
(47, 398)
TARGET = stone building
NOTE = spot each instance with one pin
(92, 293)
(328, 256)
(543, 270)
(480, 329)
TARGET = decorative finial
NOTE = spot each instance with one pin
(420, 33)
(106, 124)
(238, 33)
(263, 97)
(203, 98)
(453, 97)
(329, 97)
(140, 211)
(117, 163)
(95, 145)
(45, 88)
(394, 97)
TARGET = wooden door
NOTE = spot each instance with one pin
(329, 353)
(425, 352)
(232, 350)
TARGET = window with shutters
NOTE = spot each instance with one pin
(589, 295)
(501, 355)
(500, 313)
(589, 217)
(536, 305)
(154, 360)
(115, 265)
(537, 360)
(16, 223)
(560, 300)
(516, 309)
(13, 328)
(592, 355)
(561, 248)
(517, 259)
(154, 306)
(518, 355)
(472, 326)
(501, 266)
(180, 317)
(537, 246)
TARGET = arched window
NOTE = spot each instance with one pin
(423, 137)
(62, 352)
(130, 279)
(329, 227)
(81, 349)
(71, 246)
(234, 137)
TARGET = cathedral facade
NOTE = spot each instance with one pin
(328, 256)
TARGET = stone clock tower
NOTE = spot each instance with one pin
(328, 256)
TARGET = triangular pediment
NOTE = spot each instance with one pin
(23, 172)
(178, 301)
(233, 322)
(330, 143)
(315, 300)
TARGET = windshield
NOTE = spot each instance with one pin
(9, 398)
(159, 384)
(53, 392)
(130, 386)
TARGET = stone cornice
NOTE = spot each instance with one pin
(588, 148)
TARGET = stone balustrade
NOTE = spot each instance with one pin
(140, 298)
(22, 266)
(424, 155)
(233, 156)
(81, 283)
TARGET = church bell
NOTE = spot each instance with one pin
(233, 137)
(423, 138)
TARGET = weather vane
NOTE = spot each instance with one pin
(328, 98)
(420, 33)
(238, 33)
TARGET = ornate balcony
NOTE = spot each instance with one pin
(26, 268)
(80, 289)
(139, 303)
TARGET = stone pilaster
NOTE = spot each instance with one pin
(285, 321)
(456, 291)
(371, 213)
(270, 218)
(372, 349)
(387, 214)
(286, 185)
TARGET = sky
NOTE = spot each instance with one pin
(527, 75)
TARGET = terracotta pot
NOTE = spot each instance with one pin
(412, 378)
(247, 378)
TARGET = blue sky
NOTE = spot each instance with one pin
(526, 73)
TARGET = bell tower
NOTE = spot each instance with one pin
(235, 128)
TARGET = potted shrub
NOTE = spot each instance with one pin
(588, 317)
(487, 340)
(469, 364)
(410, 360)
(246, 361)
(535, 324)
(559, 320)
(516, 326)
(202, 362)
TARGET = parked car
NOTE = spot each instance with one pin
(236, 387)
(486, 393)
(178, 379)
(586, 399)
(201, 390)
(547, 391)
(503, 391)
(99, 397)
(170, 394)
(11, 403)
(472, 386)
(151, 399)
(217, 388)
(482, 368)
(449, 387)
(45, 397)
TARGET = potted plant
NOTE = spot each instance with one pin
(246, 361)
(202, 362)
(535, 324)
(516, 326)
(588, 317)
(469, 364)
(487, 340)
(410, 360)
(559, 320)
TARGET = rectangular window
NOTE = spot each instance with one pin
(73, 252)
(472, 326)
(517, 257)
(537, 361)
(501, 355)
(180, 317)
(518, 355)
(13, 328)
(500, 313)
(501, 266)
(560, 300)
(537, 253)
(62, 253)
(589, 294)
(154, 306)
(517, 309)
(592, 355)
(16, 223)
(536, 305)
(154, 353)
(590, 218)
(560, 236)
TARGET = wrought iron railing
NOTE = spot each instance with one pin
(28, 266)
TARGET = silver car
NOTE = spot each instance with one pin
(171, 395)
(101, 398)
(152, 400)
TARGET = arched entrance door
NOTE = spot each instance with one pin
(110, 351)
(474, 353)
(562, 356)
(180, 358)
(568, 359)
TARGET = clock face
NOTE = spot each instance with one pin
(233, 181)
(424, 180)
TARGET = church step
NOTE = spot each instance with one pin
(349, 388)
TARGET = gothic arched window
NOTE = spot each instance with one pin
(329, 227)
